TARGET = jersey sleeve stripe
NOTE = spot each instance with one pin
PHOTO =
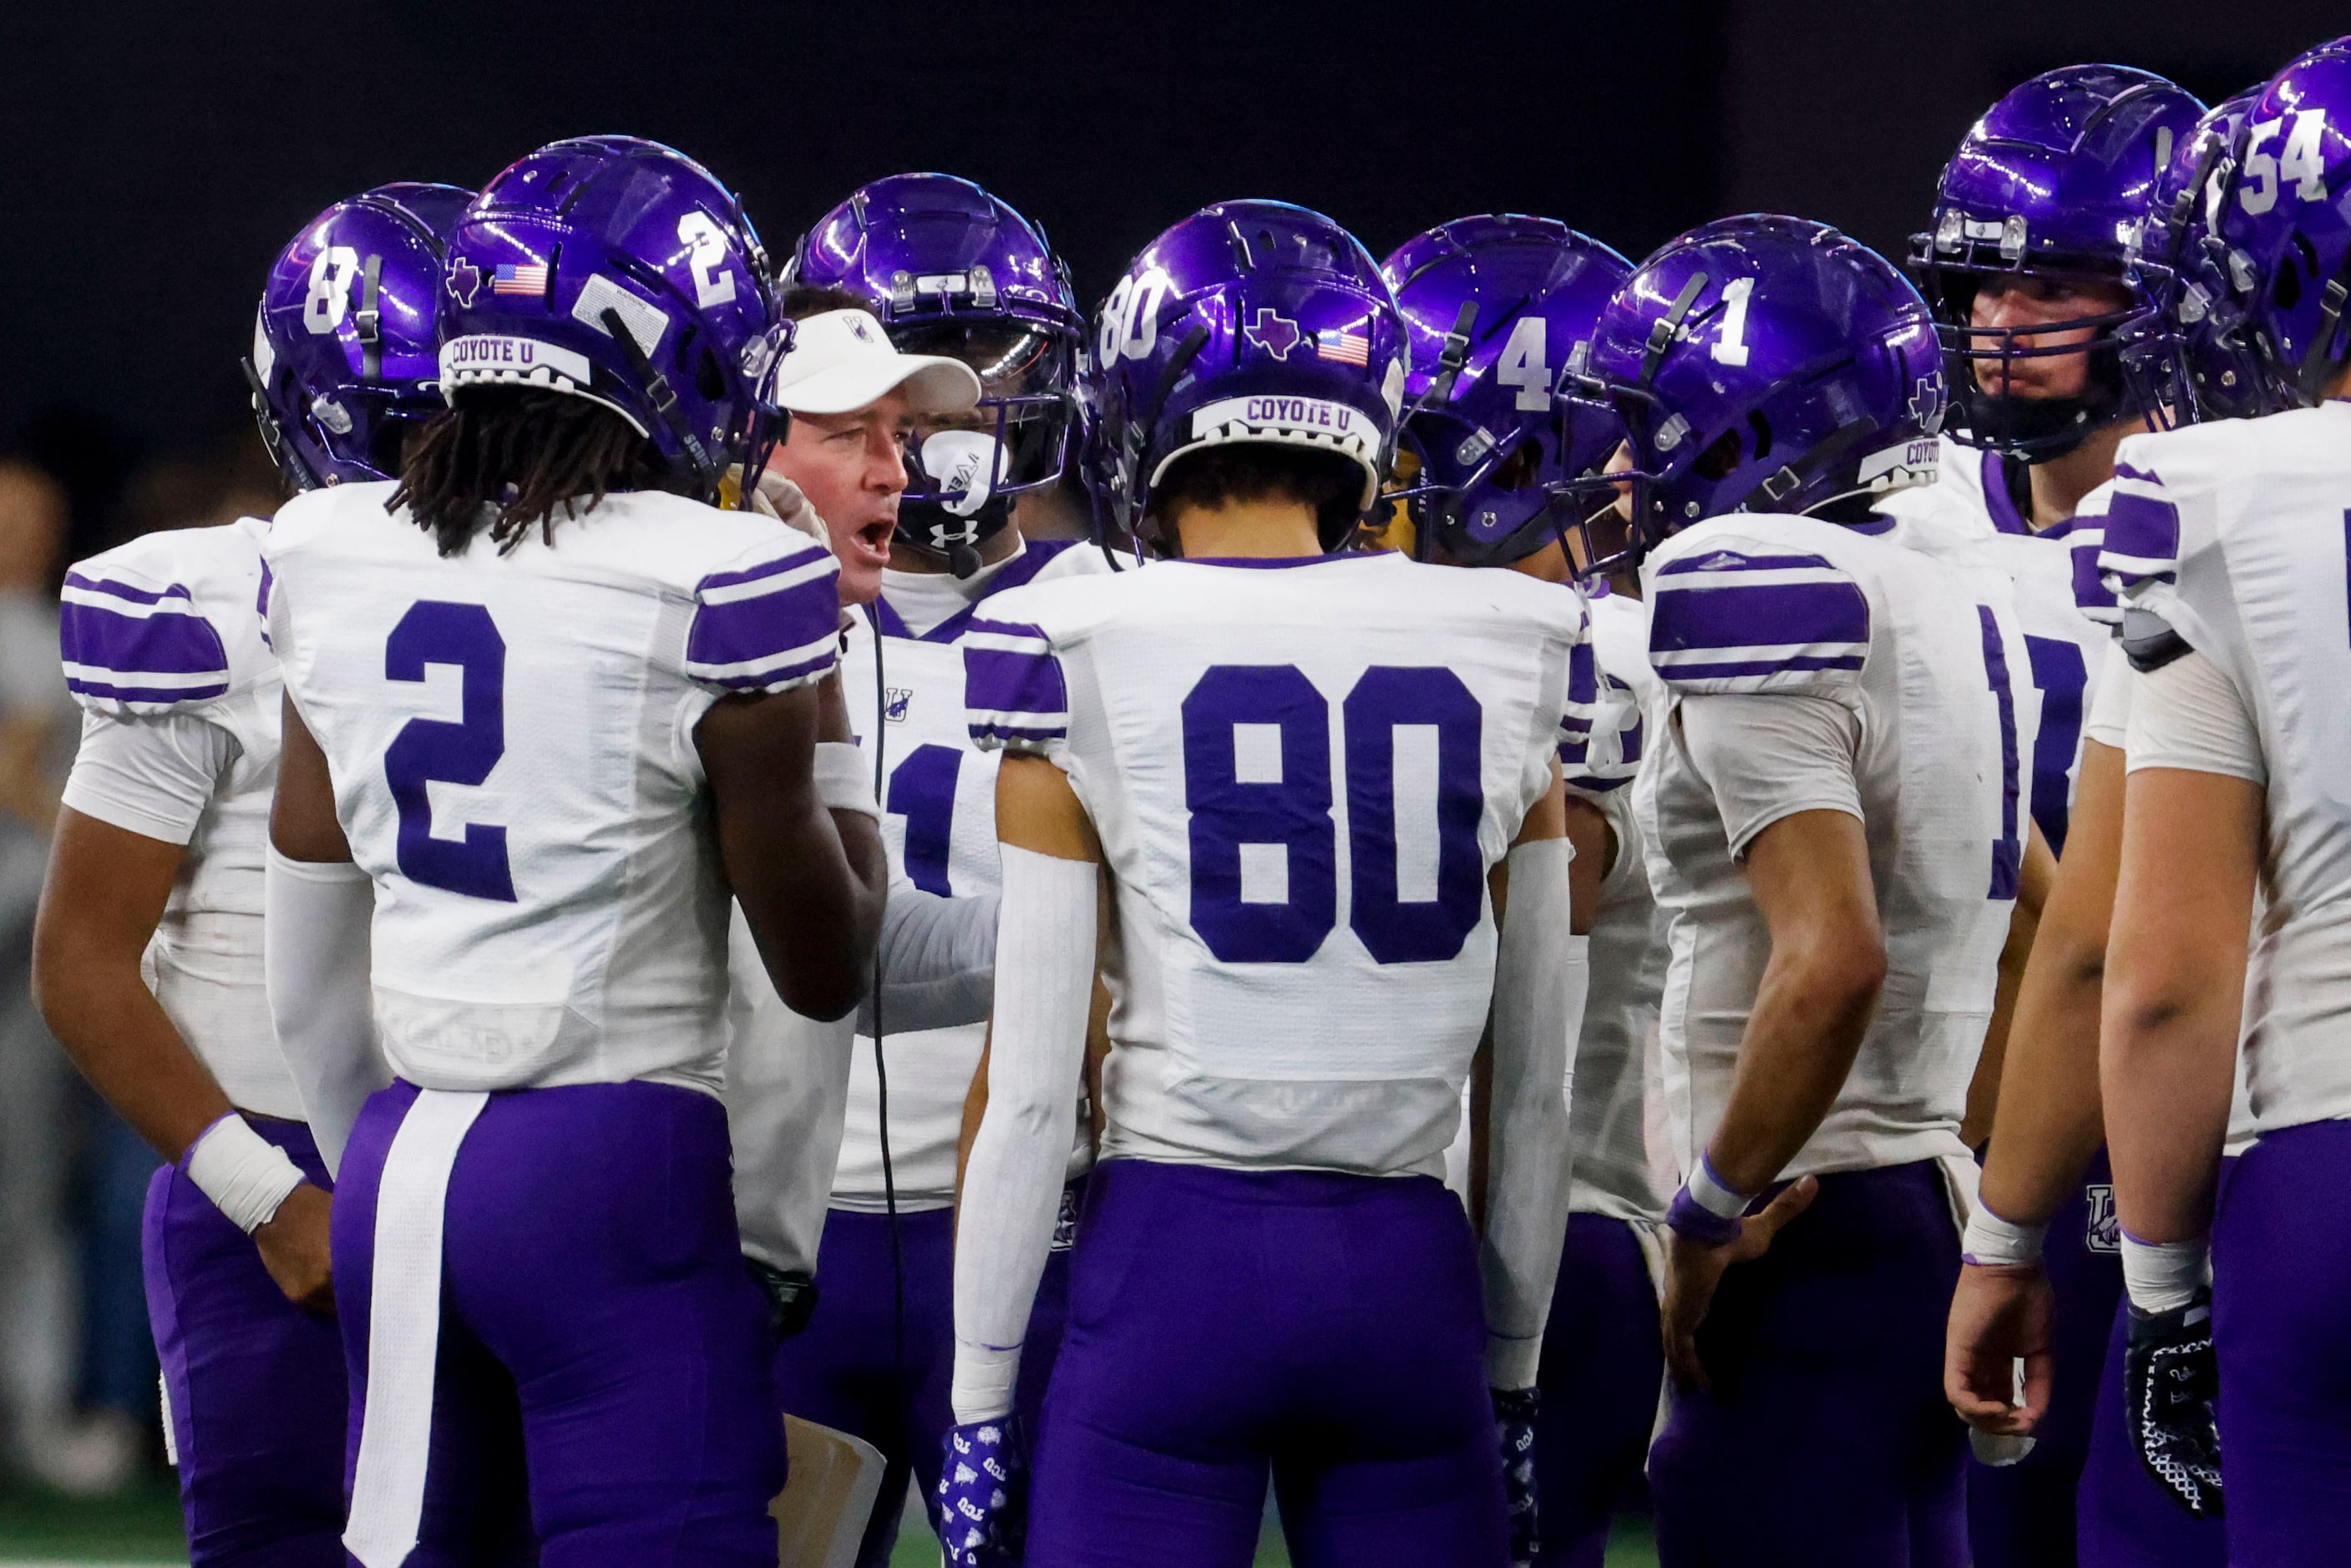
(173, 598)
(1013, 687)
(2092, 596)
(130, 645)
(1583, 704)
(768, 627)
(2142, 540)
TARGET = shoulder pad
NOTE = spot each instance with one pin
(1739, 617)
(164, 622)
(1013, 688)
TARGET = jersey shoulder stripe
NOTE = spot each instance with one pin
(2142, 538)
(768, 627)
(163, 622)
(1013, 687)
(1727, 620)
(1583, 704)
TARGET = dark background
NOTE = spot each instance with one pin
(153, 157)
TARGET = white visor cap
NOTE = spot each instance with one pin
(841, 360)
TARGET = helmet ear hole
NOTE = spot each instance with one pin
(708, 379)
(1762, 429)
(1721, 459)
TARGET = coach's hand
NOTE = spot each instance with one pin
(2000, 1314)
(1693, 1270)
(293, 1243)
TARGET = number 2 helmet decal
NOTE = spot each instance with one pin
(1767, 364)
(2283, 234)
(342, 362)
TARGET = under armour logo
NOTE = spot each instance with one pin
(1276, 333)
(1926, 405)
(465, 281)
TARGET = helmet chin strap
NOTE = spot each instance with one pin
(663, 399)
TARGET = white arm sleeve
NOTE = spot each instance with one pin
(1012, 1188)
(2110, 707)
(1538, 1010)
(315, 916)
(939, 960)
(2190, 714)
(152, 776)
(1767, 757)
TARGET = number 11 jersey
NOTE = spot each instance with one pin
(511, 741)
(1301, 773)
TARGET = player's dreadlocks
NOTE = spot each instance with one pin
(510, 458)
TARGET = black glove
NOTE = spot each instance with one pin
(791, 1296)
(2172, 1384)
(1514, 1426)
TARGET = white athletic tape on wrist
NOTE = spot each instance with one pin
(1992, 1242)
(2164, 1276)
(983, 1384)
(244, 1175)
(1708, 1191)
(844, 780)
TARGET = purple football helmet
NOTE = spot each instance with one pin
(1495, 309)
(953, 271)
(2282, 234)
(342, 363)
(2186, 357)
(1249, 321)
(620, 271)
(2052, 183)
(1767, 364)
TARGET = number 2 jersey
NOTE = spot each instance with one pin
(511, 742)
(180, 698)
(2234, 534)
(1911, 631)
(1301, 773)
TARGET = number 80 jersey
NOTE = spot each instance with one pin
(511, 741)
(1301, 773)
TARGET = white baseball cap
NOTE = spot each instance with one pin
(841, 360)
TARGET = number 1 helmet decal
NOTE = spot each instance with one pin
(342, 363)
(2283, 234)
(1767, 364)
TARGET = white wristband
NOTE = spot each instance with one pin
(2164, 1276)
(1708, 1191)
(1992, 1242)
(982, 1386)
(244, 1175)
(843, 780)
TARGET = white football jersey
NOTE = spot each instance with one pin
(1301, 773)
(2232, 533)
(511, 739)
(1920, 641)
(1621, 1168)
(180, 696)
(938, 801)
(2065, 609)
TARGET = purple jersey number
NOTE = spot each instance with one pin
(430, 750)
(2063, 675)
(1284, 803)
(922, 791)
(2008, 849)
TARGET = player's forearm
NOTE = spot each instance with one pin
(2166, 1061)
(813, 895)
(119, 1038)
(1811, 1012)
(2050, 1117)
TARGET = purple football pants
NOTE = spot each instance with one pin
(847, 1368)
(2282, 1326)
(255, 1383)
(1324, 1327)
(1603, 1364)
(603, 1387)
(1825, 1441)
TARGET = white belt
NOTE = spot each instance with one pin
(404, 1328)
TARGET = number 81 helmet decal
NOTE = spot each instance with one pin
(1249, 321)
(2284, 228)
(342, 364)
(1767, 364)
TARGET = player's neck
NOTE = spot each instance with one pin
(1250, 530)
(2059, 484)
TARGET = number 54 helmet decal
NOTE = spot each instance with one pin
(620, 271)
(2284, 223)
(1249, 321)
(1767, 364)
(342, 363)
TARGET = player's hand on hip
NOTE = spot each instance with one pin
(984, 1495)
(1693, 1270)
(293, 1243)
(2001, 1314)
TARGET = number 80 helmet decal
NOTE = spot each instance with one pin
(1767, 364)
(1249, 321)
(342, 363)
(620, 271)
(2284, 228)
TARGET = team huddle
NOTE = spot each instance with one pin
(1596, 872)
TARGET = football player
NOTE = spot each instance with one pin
(2229, 539)
(1299, 773)
(2189, 363)
(953, 274)
(1488, 465)
(2026, 262)
(148, 957)
(1836, 820)
(546, 708)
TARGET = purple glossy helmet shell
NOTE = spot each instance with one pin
(2285, 225)
(2053, 181)
(342, 364)
(1249, 321)
(2186, 356)
(1769, 364)
(1495, 309)
(954, 271)
(622, 271)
